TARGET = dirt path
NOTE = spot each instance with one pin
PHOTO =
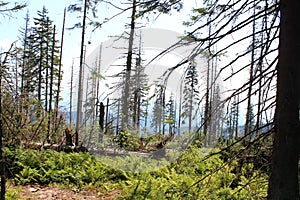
(37, 192)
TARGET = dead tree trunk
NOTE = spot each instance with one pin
(80, 85)
(101, 121)
(60, 64)
(125, 105)
(284, 183)
(2, 160)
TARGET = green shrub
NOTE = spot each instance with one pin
(13, 194)
(126, 141)
(195, 175)
(46, 167)
(180, 180)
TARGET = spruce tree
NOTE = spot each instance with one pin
(190, 94)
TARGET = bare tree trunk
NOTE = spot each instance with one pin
(190, 115)
(125, 106)
(134, 116)
(135, 95)
(47, 69)
(237, 116)
(284, 183)
(180, 107)
(101, 121)
(93, 99)
(146, 118)
(98, 80)
(163, 110)
(231, 121)
(259, 101)
(247, 122)
(16, 78)
(86, 117)
(139, 70)
(24, 54)
(51, 86)
(46, 85)
(260, 71)
(118, 118)
(71, 92)
(2, 159)
(106, 116)
(207, 109)
(138, 124)
(175, 113)
(40, 74)
(212, 113)
(60, 64)
(80, 85)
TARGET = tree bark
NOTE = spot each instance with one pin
(2, 159)
(248, 119)
(106, 116)
(71, 93)
(80, 86)
(126, 99)
(101, 121)
(60, 65)
(284, 183)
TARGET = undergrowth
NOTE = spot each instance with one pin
(192, 176)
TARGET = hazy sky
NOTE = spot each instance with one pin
(72, 39)
(10, 30)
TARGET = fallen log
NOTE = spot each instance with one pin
(56, 147)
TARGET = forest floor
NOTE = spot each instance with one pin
(37, 192)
